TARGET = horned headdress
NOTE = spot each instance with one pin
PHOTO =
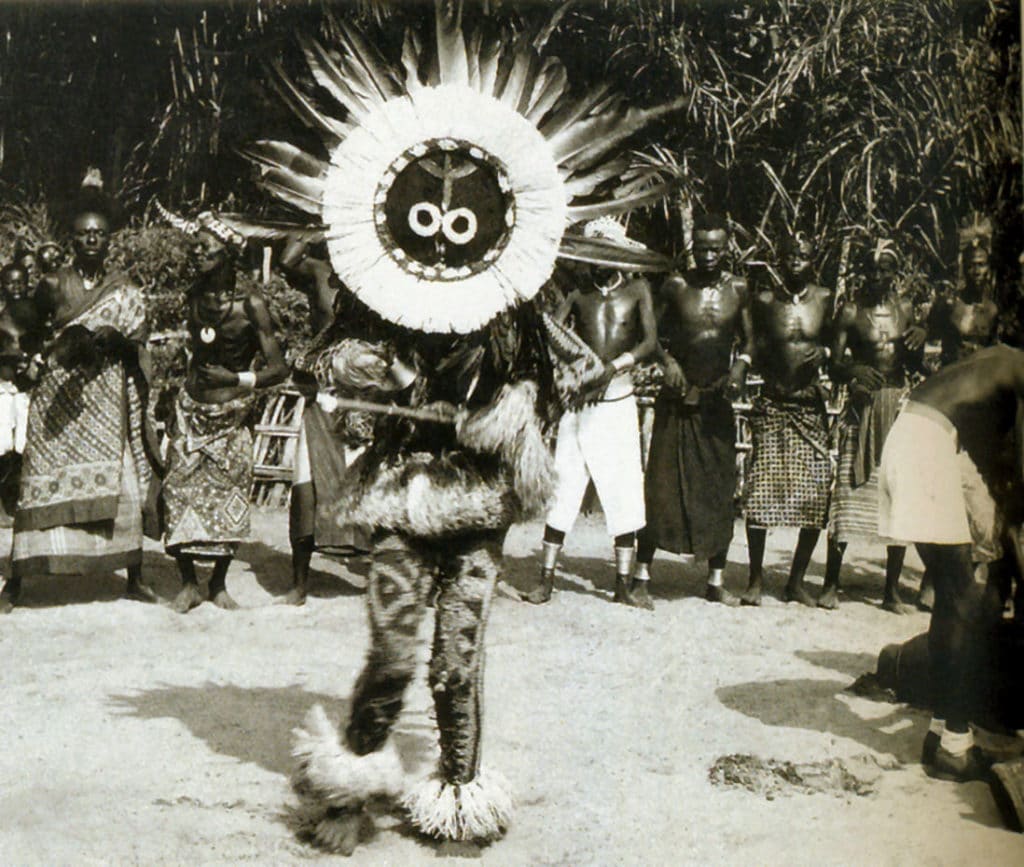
(453, 181)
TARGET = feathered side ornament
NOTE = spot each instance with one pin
(451, 179)
(577, 368)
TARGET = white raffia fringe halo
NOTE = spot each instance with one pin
(335, 776)
(359, 163)
(480, 810)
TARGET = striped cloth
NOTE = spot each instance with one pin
(854, 511)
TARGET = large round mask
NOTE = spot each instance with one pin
(443, 211)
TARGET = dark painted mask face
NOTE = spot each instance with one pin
(444, 210)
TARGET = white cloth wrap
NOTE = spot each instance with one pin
(920, 491)
(13, 418)
(601, 442)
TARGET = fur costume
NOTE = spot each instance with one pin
(442, 192)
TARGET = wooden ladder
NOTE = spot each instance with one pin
(277, 439)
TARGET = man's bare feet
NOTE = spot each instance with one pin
(752, 595)
(717, 593)
(295, 596)
(829, 598)
(798, 593)
(926, 598)
(139, 592)
(542, 592)
(9, 595)
(187, 599)
(222, 599)
(895, 605)
(639, 597)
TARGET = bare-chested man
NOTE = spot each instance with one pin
(968, 320)
(971, 407)
(964, 323)
(209, 465)
(788, 476)
(614, 315)
(690, 480)
(315, 279)
(885, 346)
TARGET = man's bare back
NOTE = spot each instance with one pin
(979, 395)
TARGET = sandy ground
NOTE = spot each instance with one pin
(134, 735)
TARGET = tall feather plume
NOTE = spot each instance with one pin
(279, 154)
(331, 130)
(584, 183)
(608, 254)
(569, 110)
(522, 75)
(585, 142)
(331, 78)
(488, 61)
(289, 173)
(620, 204)
(452, 67)
(551, 85)
(272, 230)
(411, 52)
(304, 194)
(373, 71)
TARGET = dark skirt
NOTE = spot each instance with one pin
(328, 468)
(690, 480)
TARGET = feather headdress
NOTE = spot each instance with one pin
(976, 232)
(453, 182)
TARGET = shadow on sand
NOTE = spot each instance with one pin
(254, 724)
(273, 571)
(158, 571)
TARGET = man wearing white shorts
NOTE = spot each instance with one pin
(970, 409)
(599, 439)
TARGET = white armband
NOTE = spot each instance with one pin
(327, 402)
(627, 359)
(745, 358)
(247, 380)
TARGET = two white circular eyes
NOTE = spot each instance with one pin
(459, 225)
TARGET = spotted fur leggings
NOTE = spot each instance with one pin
(401, 578)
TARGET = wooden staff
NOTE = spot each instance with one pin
(352, 404)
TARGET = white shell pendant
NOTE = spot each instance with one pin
(207, 334)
